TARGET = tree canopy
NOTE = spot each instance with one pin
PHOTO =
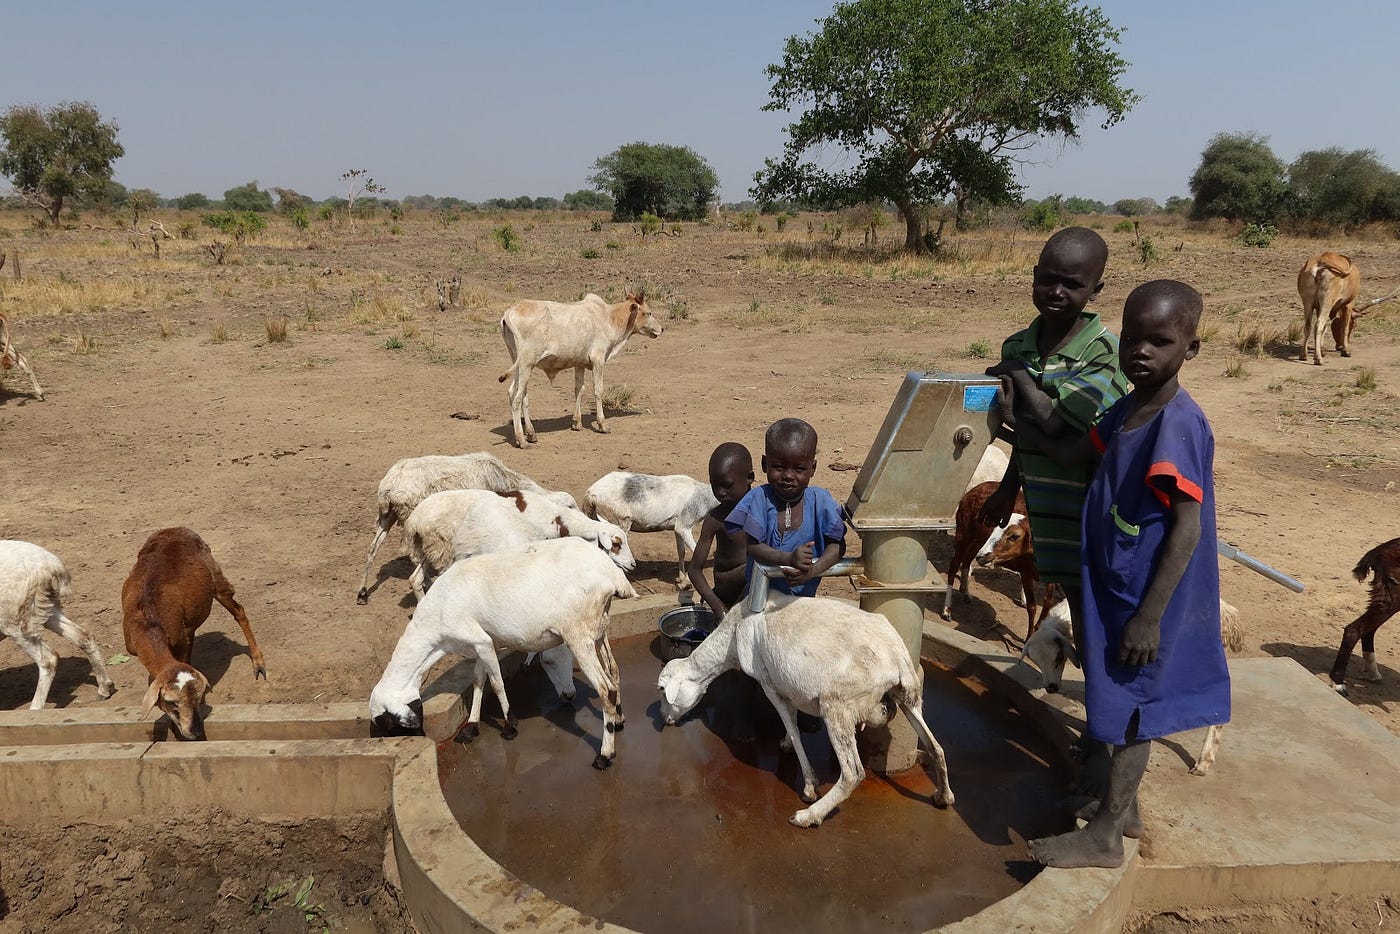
(654, 178)
(909, 101)
(248, 197)
(1343, 189)
(51, 155)
(1239, 178)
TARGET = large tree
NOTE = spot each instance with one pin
(908, 101)
(51, 155)
(1343, 189)
(669, 181)
(1239, 178)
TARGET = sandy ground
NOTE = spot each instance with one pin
(272, 451)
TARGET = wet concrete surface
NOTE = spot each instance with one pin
(688, 830)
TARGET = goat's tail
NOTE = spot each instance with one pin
(510, 337)
(1375, 562)
(1231, 632)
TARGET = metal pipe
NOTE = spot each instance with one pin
(1254, 564)
(762, 573)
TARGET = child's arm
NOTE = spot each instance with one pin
(1067, 450)
(999, 506)
(829, 556)
(767, 554)
(695, 570)
(1028, 397)
(1143, 634)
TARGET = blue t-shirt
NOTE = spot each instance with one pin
(757, 514)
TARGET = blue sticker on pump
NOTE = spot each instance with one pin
(978, 398)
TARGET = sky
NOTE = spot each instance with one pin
(481, 100)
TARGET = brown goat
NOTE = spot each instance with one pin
(969, 535)
(166, 597)
(1016, 550)
(1383, 562)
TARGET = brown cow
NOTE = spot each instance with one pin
(1327, 284)
(166, 597)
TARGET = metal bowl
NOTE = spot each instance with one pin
(688, 625)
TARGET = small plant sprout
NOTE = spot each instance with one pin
(980, 350)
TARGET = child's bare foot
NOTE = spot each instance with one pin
(1132, 825)
(1078, 849)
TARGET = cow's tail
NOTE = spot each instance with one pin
(512, 342)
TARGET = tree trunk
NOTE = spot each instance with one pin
(913, 228)
(55, 208)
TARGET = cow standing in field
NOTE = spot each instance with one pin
(1327, 284)
(554, 336)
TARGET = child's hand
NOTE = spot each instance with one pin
(1141, 639)
(802, 557)
(1006, 402)
(1006, 367)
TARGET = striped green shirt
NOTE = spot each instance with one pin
(1083, 380)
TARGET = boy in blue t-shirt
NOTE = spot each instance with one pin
(786, 521)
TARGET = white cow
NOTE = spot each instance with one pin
(555, 336)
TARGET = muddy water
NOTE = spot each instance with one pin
(688, 830)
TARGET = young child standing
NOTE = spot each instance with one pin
(786, 521)
(731, 475)
(1153, 662)
(1058, 375)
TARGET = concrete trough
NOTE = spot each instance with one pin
(1212, 840)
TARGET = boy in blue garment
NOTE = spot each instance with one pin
(786, 521)
(1153, 662)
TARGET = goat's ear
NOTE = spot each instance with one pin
(1070, 653)
(149, 701)
(632, 316)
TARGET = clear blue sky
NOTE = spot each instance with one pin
(480, 100)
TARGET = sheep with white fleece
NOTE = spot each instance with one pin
(414, 479)
(822, 657)
(457, 524)
(534, 599)
(639, 502)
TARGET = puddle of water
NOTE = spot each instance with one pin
(688, 830)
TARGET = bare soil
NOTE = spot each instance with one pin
(202, 872)
(272, 451)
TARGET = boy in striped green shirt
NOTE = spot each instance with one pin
(1061, 373)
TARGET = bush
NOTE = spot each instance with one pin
(1123, 226)
(301, 218)
(1260, 235)
(746, 220)
(589, 253)
(506, 238)
(1147, 251)
(240, 225)
(1041, 216)
(650, 224)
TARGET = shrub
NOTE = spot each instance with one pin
(1123, 226)
(1260, 235)
(596, 226)
(1366, 379)
(589, 253)
(276, 328)
(746, 220)
(979, 349)
(301, 218)
(394, 343)
(240, 225)
(506, 238)
(1147, 251)
(650, 224)
(1041, 216)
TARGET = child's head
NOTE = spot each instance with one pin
(790, 456)
(1069, 274)
(731, 472)
(1159, 332)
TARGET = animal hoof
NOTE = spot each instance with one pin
(618, 724)
(809, 794)
(785, 744)
(1344, 353)
(1198, 770)
(511, 729)
(260, 672)
(601, 762)
(467, 733)
(947, 614)
(362, 597)
(805, 818)
(604, 430)
(576, 427)
(1341, 689)
(566, 700)
(942, 800)
(106, 690)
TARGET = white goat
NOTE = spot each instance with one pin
(414, 479)
(33, 585)
(1052, 644)
(821, 657)
(639, 502)
(457, 524)
(534, 599)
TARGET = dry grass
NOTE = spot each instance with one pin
(84, 344)
(45, 296)
(276, 329)
(219, 333)
(166, 327)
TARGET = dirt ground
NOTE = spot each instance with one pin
(204, 872)
(169, 405)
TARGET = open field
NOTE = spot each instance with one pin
(169, 404)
